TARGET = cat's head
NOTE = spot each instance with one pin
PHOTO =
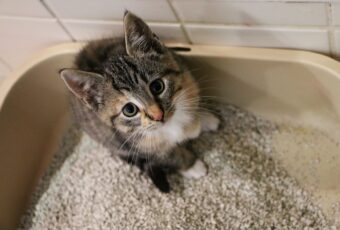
(142, 90)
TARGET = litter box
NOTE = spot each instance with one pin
(298, 87)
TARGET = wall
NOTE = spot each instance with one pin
(27, 26)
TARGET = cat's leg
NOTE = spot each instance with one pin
(135, 160)
(158, 176)
(209, 122)
(153, 169)
(193, 130)
(188, 165)
(197, 170)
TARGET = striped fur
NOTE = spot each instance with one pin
(110, 73)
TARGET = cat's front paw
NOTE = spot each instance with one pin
(197, 170)
(210, 122)
(194, 130)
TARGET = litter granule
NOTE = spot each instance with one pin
(87, 188)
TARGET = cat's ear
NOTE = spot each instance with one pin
(139, 39)
(86, 86)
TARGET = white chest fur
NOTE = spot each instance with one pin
(181, 126)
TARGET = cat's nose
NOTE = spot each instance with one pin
(157, 116)
(155, 113)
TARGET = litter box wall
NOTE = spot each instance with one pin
(295, 86)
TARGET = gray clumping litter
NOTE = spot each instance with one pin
(245, 188)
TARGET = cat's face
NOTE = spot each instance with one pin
(145, 94)
(140, 92)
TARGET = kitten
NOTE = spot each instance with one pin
(137, 97)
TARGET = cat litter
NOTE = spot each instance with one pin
(87, 188)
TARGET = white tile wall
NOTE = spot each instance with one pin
(309, 39)
(86, 30)
(26, 8)
(252, 13)
(30, 25)
(336, 13)
(151, 10)
(337, 43)
(22, 37)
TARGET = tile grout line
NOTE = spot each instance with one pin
(207, 24)
(263, 26)
(191, 23)
(331, 36)
(114, 21)
(184, 31)
(58, 20)
(284, 1)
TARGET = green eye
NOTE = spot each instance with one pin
(130, 110)
(157, 87)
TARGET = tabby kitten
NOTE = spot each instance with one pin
(137, 97)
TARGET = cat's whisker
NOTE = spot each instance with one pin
(127, 140)
(134, 145)
(113, 135)
(148, 156)
(206, 79)
(134, 150)
(199, 108)
(149, 146)
(212, 97)
(193, 70)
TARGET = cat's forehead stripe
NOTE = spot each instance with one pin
(128, 70)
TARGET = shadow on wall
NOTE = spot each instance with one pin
(270, 89)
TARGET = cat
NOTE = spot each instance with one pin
(136, 97)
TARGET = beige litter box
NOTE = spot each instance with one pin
(282, 85)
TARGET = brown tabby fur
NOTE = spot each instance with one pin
(111, 73)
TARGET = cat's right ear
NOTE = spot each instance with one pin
(86, 86)
(139, 39)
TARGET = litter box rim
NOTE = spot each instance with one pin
(283, 55)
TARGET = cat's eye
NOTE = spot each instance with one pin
(130, 110)
(157, 87)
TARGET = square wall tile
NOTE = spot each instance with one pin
(306, 39)
(26, 8)
(151, 10)
(87, 30)
(336, 13)
(21, 38)
(337, 43)
(252, 12)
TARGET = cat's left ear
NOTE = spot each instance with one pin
(139, 39)
(86, 86)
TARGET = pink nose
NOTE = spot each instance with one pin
(157, 116)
